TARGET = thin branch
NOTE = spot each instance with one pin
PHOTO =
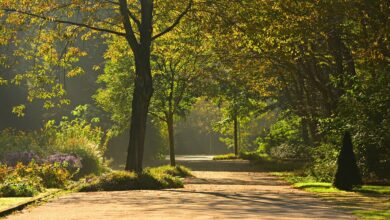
(175, 23)
(157, 116)
(131, 15)
(63, 21)
(134, 18)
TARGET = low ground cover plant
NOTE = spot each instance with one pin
(151, 178)
(226, 157)
(33, 178)
(246, 155)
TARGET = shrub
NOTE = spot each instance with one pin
(253, 155)
(287, 151)
(71, 162)
(13, 158)
(225, 157)
(3, 172)
(14, 141)
(347, 174)
(28, 180)
(21, 181)
(323, 166)
(54, 175)
(80, 138)
(177, 171)
(113, 181)
(21, 188)
(91, 159)
(151, 178)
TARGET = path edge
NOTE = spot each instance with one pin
(22, 205)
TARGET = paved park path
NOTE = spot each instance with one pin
(220, 190)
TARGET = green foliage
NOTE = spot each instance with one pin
(310, 184)
(115, 96)
(254, 155)
(283, 139)
(45, 175)
(23, 181)
(113, 181)
(77, 136)
(374, 189)
(3, 172)
(323, 166)
(318, 187)
(92, 160)
(373, 214)
(363, 202)
(23, 188)
(347, 174)
(18, 141)
(54, 175)
(150, 178)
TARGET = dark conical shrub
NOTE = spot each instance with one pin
(347, 174)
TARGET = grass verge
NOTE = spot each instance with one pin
(12, 201)
(151, 178)
(367, 202)
(226, 157)
(6, 202)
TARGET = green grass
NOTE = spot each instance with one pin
(317, 187)
(226, 157)
(178, 171)
(6, 202)
(151, 178)
(374, 189)
(366, 202)
(11, 201)
(373, 214)
(309, 184)
(243, 155)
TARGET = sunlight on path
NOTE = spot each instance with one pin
(236, 193)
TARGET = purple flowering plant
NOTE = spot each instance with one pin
(13, 158)
(71, 162)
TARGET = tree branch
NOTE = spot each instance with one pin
(157, 116)
(175, 23)
(131, 15)
(130, 36)
(63, 21)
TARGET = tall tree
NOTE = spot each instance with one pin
(177, 60)
(135, 21)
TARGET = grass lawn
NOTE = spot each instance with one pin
(7, 202)
(367, 202)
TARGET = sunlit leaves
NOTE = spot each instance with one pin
(19, 110)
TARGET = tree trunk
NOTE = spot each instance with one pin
(171, 136)
(235, 120)
(143, 92)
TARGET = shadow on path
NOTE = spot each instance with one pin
(220, 190)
